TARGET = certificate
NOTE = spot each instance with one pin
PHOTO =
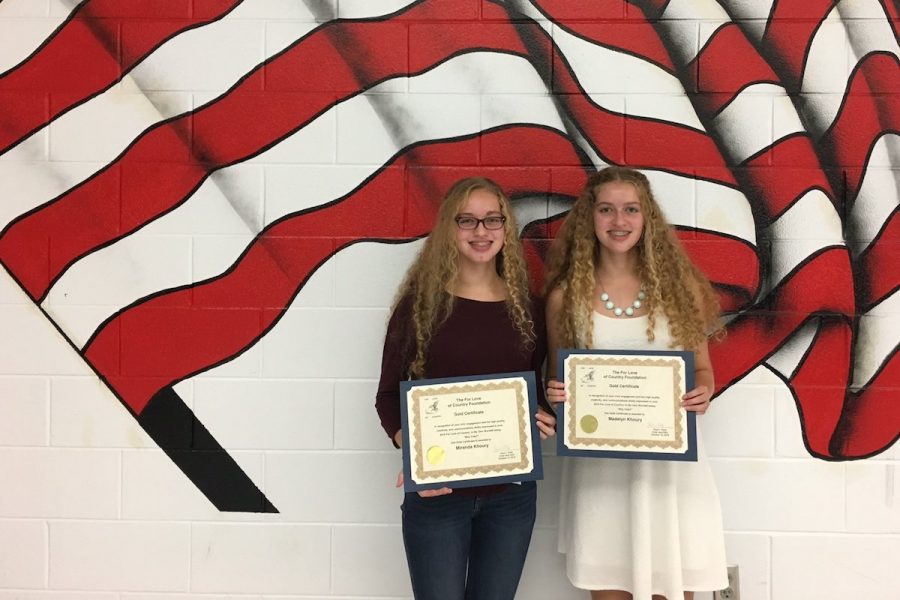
(469, 431)
(626, 404)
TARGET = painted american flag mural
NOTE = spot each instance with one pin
(769, 130)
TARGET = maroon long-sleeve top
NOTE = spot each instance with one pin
(478, 338)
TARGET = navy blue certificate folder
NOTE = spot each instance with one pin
(594, 433)
(449, 422)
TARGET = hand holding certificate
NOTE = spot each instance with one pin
(469, 431)
(627, 404)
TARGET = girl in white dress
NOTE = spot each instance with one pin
(618, 278)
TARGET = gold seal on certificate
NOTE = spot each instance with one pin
(466, 431)
(627, 404)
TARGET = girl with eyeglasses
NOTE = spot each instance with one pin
(464, 309)
(619, 279)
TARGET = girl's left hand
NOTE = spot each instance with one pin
(697, 400)
(546, 423)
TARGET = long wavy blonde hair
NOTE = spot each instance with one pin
(432, 276)
(673, 285)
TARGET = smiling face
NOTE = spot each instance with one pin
(618, 217)
(480, 245)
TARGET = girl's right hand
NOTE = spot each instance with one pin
(556, 391)
(425, 493)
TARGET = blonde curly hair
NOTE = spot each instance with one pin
(673, 285)
(435, 270)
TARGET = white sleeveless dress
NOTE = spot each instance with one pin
(643, 526)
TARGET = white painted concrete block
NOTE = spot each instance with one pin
(480, 73)
(19, 37)
(369, 274)
(10, 292)
(51, 595)
(750, 553)
(349, 487)
(325, 344)
(242, 184)
(873, 496)
(101, 129)
(794, 495)
(827, 65)
(356, 424)
(834, 568)
(123, 273)
(545, 570)
(155, 596)
(24, 8)
(449, 116)
(788, 430)
(116, 555)
(369, 561)
(33, 347)
(63, 483)
(85, 414)
(260, 558)
(295, 187)
(169, 69)
(740, 422)
(263, 414)
(23, 555)
(24, 411)
(548, 492)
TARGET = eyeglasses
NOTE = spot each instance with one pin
(488, 222)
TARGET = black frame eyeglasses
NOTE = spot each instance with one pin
(491, 223)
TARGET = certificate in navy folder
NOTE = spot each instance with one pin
(626, 404)
(470, 431)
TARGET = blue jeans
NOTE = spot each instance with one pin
(468, 547)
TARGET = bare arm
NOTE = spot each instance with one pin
(703, 371)
(697, 399)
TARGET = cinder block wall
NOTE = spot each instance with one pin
(207, 205)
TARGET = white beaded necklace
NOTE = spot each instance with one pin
(629, 311)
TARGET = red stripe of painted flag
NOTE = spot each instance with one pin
(649, 143)
(789, 32)
(759, 333)
(893, 13)
(864, 116)
(162, 167)
(731, 265)
(102, 40)
(726, 65)
(164, 339)
(872, 419)
(782, 174)
(879, 265)
(634, 35)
